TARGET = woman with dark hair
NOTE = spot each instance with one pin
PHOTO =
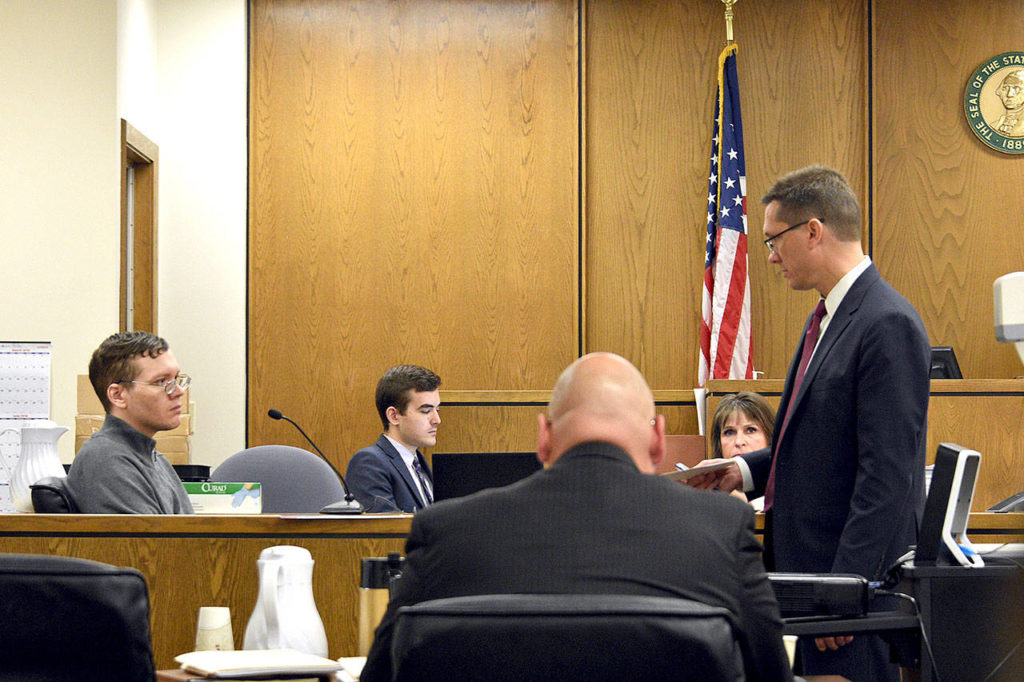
(742, 423)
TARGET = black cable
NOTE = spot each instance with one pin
(1005, 659)
(920, 625)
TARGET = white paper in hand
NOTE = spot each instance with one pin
(685, 473)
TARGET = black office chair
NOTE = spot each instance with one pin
(292, 480)
(565, 637)
(50, 496)
(72, 619)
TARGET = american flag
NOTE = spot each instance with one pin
(725, 338)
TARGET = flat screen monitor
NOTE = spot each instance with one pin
(462, 473)
(942, 539)
(944, 364)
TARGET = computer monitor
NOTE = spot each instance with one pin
(942, 539)
(944, 364)
(462, 473)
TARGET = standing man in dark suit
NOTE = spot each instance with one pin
(595, 521)
(392, 474)
(844, 490)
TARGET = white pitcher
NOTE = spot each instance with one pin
(39, 459)
(285, 616)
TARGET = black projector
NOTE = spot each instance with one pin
(820, 594)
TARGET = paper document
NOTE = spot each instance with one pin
(683, 472)
(241, 664)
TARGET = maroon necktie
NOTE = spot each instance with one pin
(810, 340)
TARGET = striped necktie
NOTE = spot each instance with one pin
(424, 483)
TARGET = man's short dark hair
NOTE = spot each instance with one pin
(395, 388)
(817, 192)
(112, 361)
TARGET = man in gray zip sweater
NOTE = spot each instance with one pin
(118, 470)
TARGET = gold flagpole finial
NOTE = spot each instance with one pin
(728, 19)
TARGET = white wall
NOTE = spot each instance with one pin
(201, 100)
(136, 64)
(59, 184)
(176, 70)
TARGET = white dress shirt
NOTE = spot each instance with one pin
(409, 457)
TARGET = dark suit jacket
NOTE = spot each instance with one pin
(849, 479)
(593, 523)
(379, 479)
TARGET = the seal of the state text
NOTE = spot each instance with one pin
(994, 102)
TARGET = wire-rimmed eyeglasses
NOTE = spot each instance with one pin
(181, 381)
(770, 242)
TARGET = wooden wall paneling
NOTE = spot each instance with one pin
(770, 389)
(506, 421)
(803, 70)
(474, 422)
(649, 66)
(984, 415)
(413, 199)
(946, 206)
(651, 74)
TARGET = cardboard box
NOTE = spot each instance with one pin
(225, 498)
(177, 449)
(177, 457)
(88, 424)
(89, 403)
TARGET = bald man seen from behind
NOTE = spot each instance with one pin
(595, 520)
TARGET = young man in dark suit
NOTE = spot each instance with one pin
(392, 474)
(595, 521)
(845, 474)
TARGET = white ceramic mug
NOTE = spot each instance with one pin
(214, 629)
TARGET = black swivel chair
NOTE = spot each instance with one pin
(565, 637)
(50, 496)
(72, 619)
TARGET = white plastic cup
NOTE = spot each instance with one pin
(790, 642)
(213, 633)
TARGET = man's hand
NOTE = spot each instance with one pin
(727, 478)
(832, 643)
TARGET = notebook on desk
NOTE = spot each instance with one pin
(461, 473)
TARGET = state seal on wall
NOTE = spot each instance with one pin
(994, 102)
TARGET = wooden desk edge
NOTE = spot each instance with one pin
(256, 525)
(982, 524)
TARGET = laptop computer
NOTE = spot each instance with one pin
(461, 473)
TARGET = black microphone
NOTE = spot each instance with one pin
(347, 506)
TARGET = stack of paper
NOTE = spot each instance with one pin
(260, 663)
(685, 473)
